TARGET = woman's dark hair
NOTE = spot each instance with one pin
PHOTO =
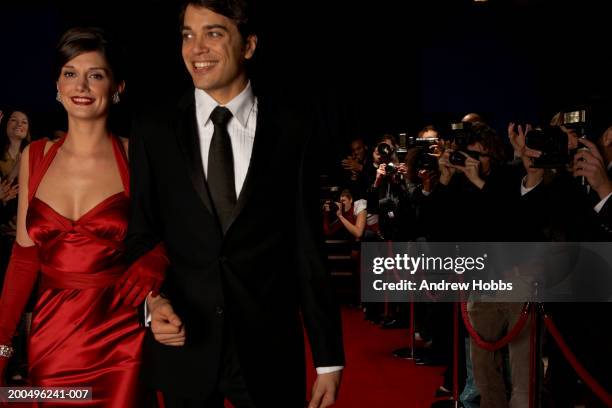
(239, 11)
(81, 40)
(4, 139)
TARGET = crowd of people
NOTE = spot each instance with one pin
(461, 185)
(101, 236)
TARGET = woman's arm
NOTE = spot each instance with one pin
(357, 229)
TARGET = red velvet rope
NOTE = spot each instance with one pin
(496, 345)
(456, 352)
(597, 389)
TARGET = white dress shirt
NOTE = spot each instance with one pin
(241, 129)
(597, 208)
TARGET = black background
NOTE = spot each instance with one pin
(369, 68)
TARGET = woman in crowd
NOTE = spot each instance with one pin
(351, 216)
(14, 137)
(15, 127)
(72, 218)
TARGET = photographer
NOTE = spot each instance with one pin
(351, 216)
(571, 203)
(354, 165)
(473, 184)
(470, 203)
(387, 192)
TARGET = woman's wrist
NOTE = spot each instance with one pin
(6, 351)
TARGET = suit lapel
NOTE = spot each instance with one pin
(189, 143)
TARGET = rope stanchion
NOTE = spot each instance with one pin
(534, 357)
(496, 345)
(588, 379)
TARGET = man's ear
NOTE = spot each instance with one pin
(249, 46)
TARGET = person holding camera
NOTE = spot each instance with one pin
(387, 194)
(354, 165)
(571, 202)
(473, 191)
(351, 216)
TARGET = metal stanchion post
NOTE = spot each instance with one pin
(456, 354)
(535, 354)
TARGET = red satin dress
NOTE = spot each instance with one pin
(82, 335)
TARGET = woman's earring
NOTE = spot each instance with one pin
(116, 98)
(58, 97)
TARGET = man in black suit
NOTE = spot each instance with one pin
(226, 182)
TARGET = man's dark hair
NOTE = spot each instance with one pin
(81, 40)
(489, 139)
(239, 11)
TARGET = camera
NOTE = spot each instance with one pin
(458, 158)
(333, 207)
(552, 142)
(575, 120)
(386, 151)
(425, 160)
(425, 142)
(460, 134)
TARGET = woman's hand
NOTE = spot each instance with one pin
(380, 174)
(8, 192)
(339, 212)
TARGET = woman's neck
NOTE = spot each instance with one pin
(14, 147)
(85, 137)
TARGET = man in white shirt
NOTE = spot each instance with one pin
(242, 271)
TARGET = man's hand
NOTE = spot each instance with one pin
(446, 168)
(590, 164)
(166, 326)
(472, 171)
(352, 164)
(517, 138)
(325, 390)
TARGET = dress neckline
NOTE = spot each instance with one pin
(121, 160)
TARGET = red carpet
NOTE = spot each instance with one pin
(373, 378)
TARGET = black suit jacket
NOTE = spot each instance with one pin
(251, 283)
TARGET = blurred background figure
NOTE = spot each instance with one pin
(14, 137)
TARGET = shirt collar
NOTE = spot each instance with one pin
(241, 106)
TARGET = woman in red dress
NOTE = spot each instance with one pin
(72, 218)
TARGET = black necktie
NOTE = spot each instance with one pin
(221, 167)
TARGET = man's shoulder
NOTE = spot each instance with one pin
(156, 118)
